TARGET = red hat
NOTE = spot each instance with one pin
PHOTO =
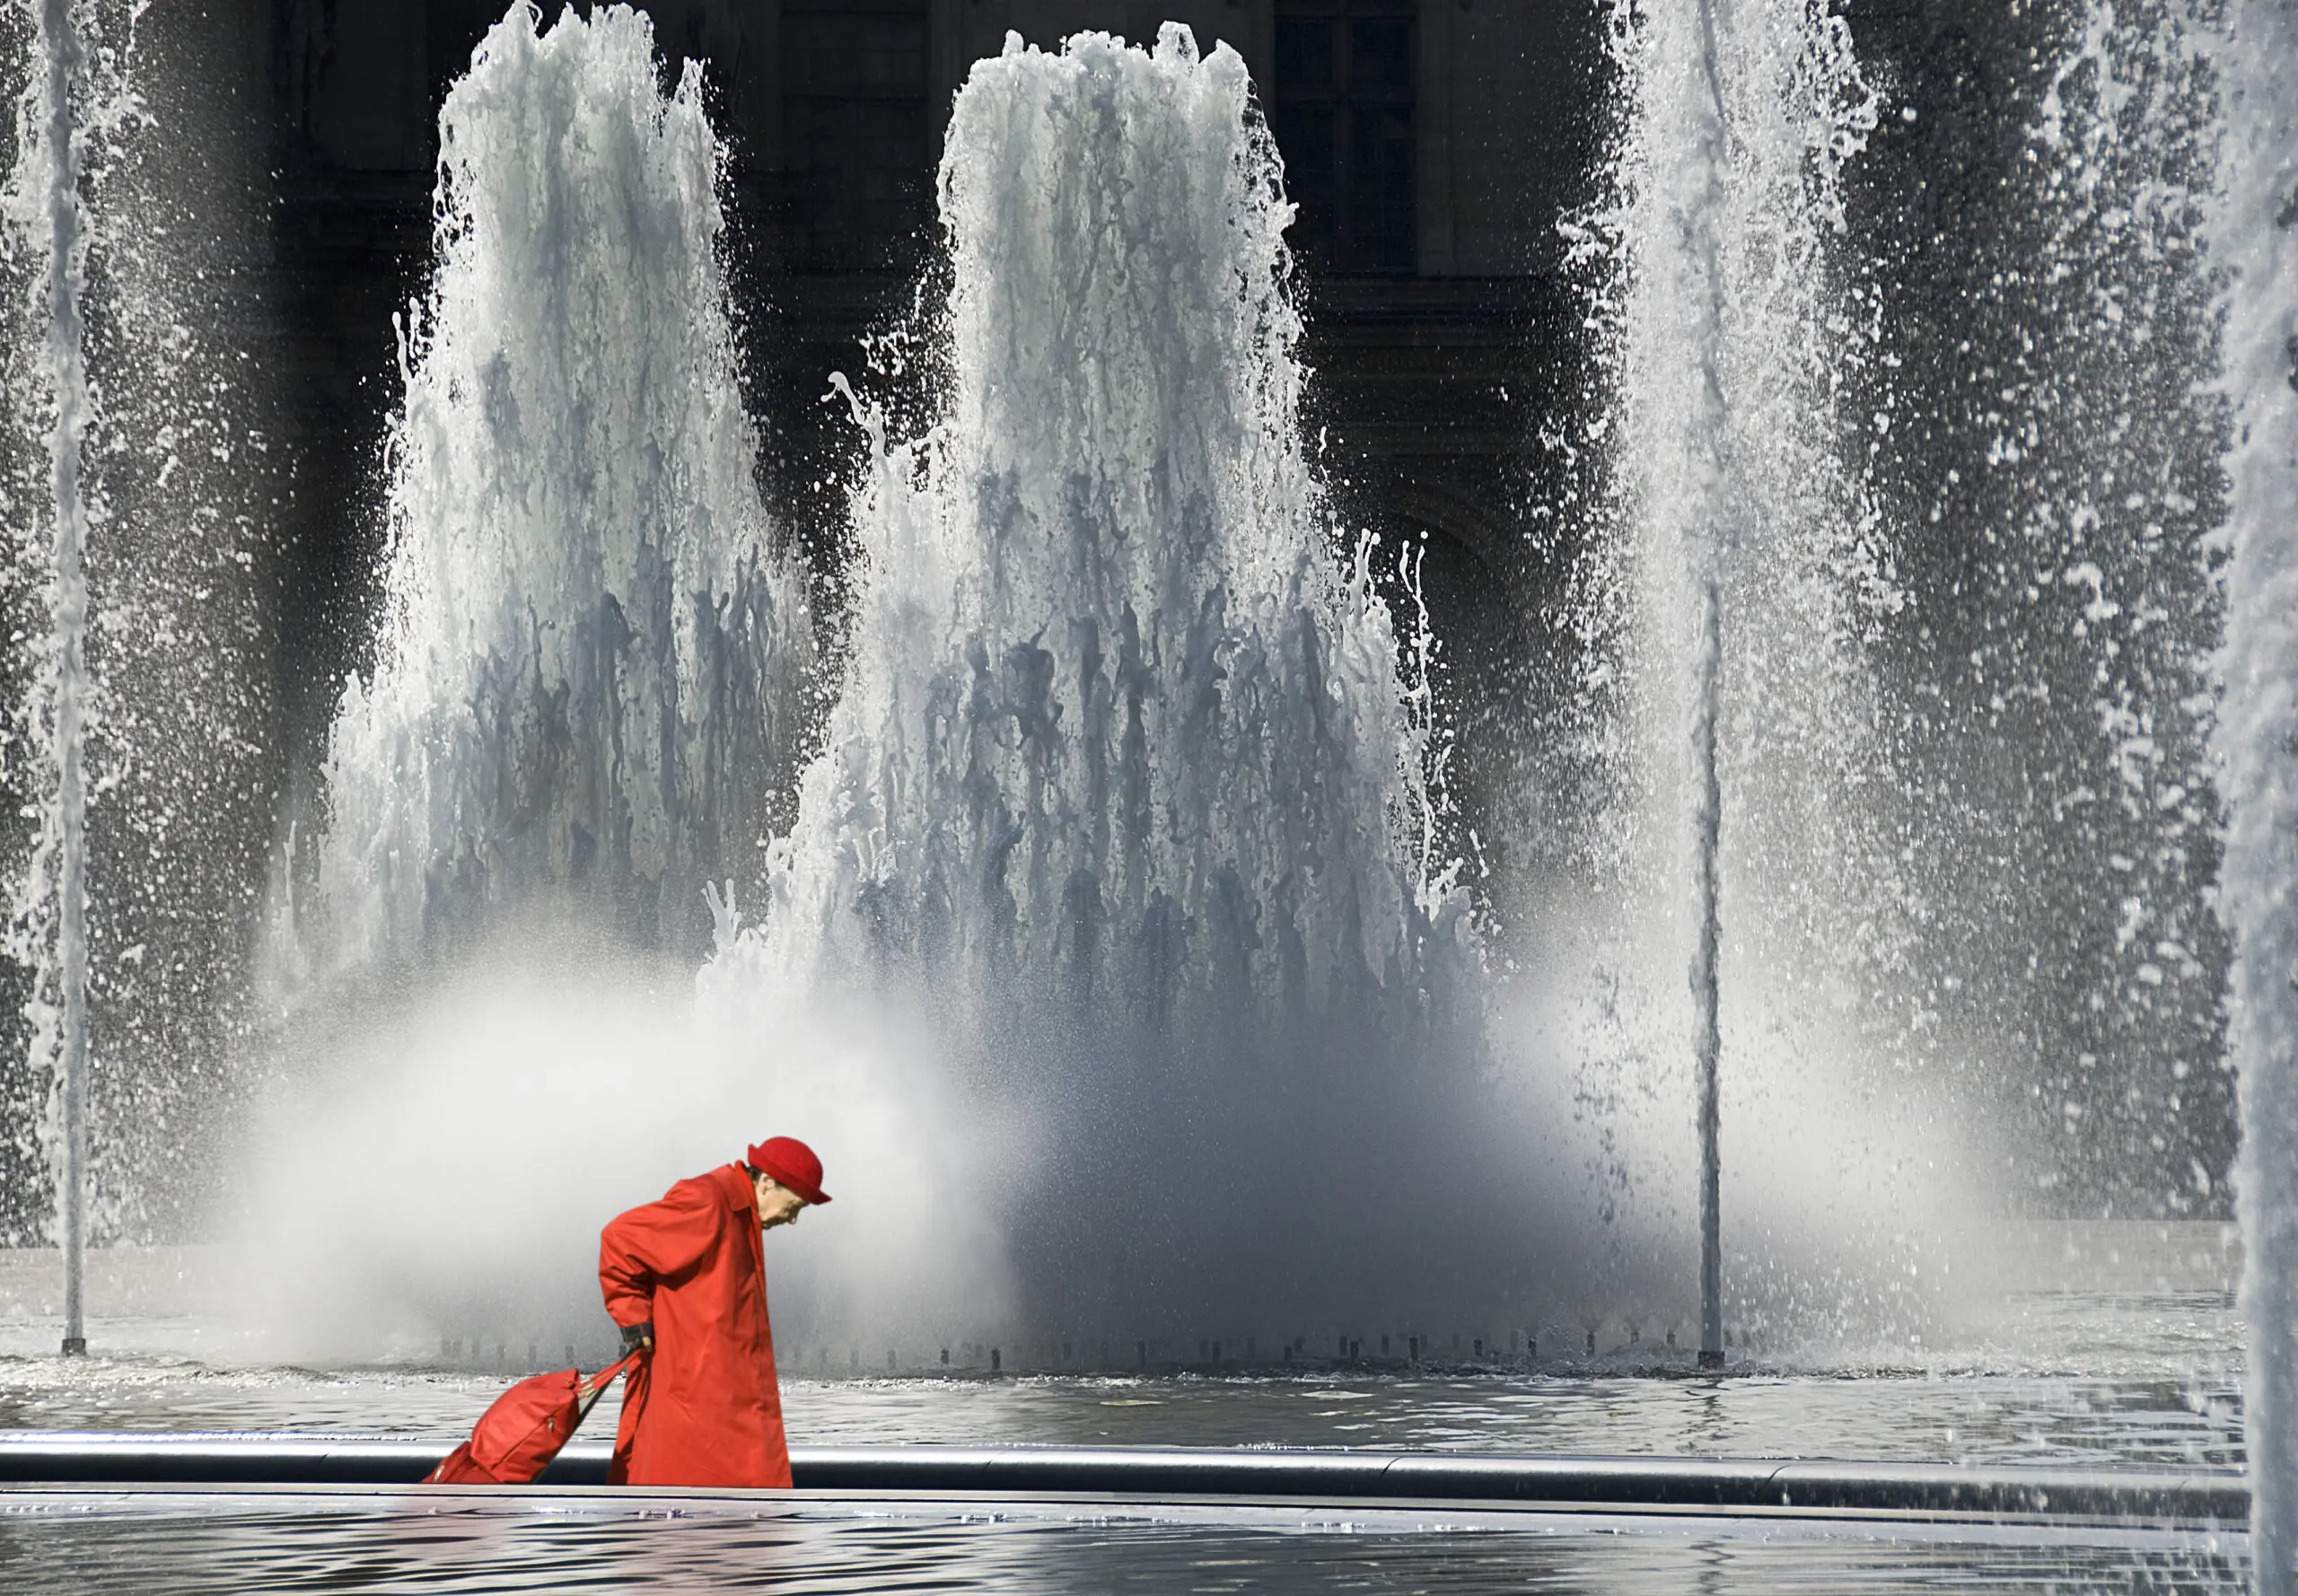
(791, 1163)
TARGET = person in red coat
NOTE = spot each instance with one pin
(685, 1278)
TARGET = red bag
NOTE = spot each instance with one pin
(515, 1439)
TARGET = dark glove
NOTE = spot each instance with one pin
(638, 1337)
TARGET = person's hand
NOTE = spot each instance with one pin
(638, 1337)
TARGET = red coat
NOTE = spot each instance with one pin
(704, 1410)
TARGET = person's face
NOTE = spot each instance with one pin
(777, 1203)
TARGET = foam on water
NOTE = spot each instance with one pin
(591, 676)
(2257, 740)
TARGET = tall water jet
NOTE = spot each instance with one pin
(68, 385)
(1701, 209)
(1728, 588)
(1707, 970)
(1124, 789)
(145, 631)
(2256, 739)
(593, 672)
(47, 211)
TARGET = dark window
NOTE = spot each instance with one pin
(857, 142)
(1342, 114)
(1303, 53)
(1381, 186)
(1379, 54)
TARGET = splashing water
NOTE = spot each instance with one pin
(2052, 458)
(155, 634)
(1124, 786)
(2258, 740)
(45, 200)
(1718, 288)
(592, 672)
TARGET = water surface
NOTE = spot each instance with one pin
(239, 1542)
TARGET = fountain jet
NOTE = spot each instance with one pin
(1725, 582)
(1708, 670)
(2257, 740)
(1124, 786)
(595, 662)
(1707, 984)
(45, 207)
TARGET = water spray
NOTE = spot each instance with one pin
(1708, 1036)
(67, 373)
(574, 522)
(1707, 808)
(2256, 237)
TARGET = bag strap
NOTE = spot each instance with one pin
(587, 1391)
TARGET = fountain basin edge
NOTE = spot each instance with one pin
(2057, 1494)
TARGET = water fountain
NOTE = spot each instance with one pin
(1734, 582)
(2052, 475)
(1052, 839)
(2259, 666)
(595, 667)
(1123, 784)
(141, 736)
(58, 151)
(1113, 897)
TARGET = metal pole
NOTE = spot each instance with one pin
(1707, 1039)
(68, 376)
